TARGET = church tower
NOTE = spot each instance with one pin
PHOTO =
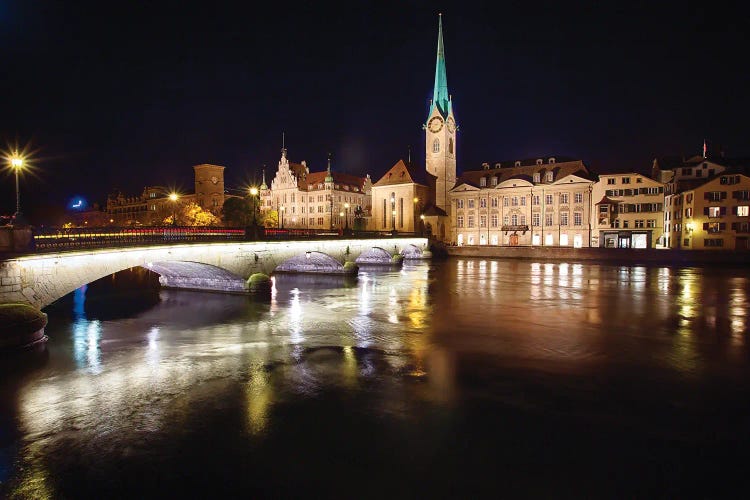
(440, 131)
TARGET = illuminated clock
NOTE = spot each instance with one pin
(435, 124)
(451, 124)
(214, 179)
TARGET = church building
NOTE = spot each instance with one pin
(412, 200)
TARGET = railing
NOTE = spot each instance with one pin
(48, 239)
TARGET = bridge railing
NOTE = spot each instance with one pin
(51, 239)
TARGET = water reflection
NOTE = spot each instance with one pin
(410, 345)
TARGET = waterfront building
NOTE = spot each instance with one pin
(154, 205)
(405, 199)
(324, 200)
(628, 211)
(541, 202)
(714, 215)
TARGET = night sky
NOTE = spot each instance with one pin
(128, 94)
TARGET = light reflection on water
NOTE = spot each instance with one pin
(395, 338)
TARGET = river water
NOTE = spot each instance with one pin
(459, 378)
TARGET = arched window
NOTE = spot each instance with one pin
(436, 146)
(450, 145)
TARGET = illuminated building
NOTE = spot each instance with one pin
(154, 204)
(628, 211)
(539, 202)
(315, 200)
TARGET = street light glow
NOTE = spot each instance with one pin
(16, 162)
(253, 191)
(173, 196)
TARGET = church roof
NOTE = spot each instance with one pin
(562, 167)
(404, 173)
(440, 95)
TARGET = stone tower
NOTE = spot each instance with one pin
(440, 131)
(209, 187)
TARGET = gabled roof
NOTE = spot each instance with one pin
(607, 201)
(434, 210)
(559, 169)
(315, 178)
(404, 173)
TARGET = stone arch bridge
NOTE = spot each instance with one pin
(40, 279)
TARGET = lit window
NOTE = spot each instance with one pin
(577, 219)
(579, 197)
(563, 218)
(483, 182)
(742, 211)
(494, 220)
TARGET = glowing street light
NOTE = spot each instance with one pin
(346, 222)
(16, 163)
(283, 208)
(174, 197)
(253, 193)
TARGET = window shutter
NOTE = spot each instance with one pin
(723, 210)
(705, 226)
(734, 226)
(705, 195)
(723, 195)
(705, 210)
(734, 210)
(722, 225)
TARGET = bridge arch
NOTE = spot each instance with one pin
(375, 255)
(319, 262)
(411, 251)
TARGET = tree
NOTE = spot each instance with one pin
(237, 212)
(271, 219)
(191, 214)
(359, 219)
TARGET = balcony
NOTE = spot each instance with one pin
(517, 228)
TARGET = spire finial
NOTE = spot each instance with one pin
(704, 148)
(283, 145)
(329, 163)
(440, 97)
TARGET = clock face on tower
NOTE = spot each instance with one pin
(214, 179)
(451, 124)
(435, 124)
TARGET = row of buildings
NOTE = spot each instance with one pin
(694, 203)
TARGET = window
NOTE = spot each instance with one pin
(715, 195)
(494, 220)
(626, 180)
(743, 211)
(483, 182)
(385, 209)
(563, 218)
(638, 180)
(611, 180)
(741, 195)
(535, 199)
(514, 201)
(470, 221)
(688, 213)
(651, 223)
(537, 177)
(535, 219)
(459, 203)
(506, 220)
(625, 224)
(714, 211)
(450, 145)
(640, 224)
(564, 198)
(548, 199)
(713, 242)
(460, 221)
(505, 201)
(522, 220)
(616, 224)
(400, 212)
(548, 219)
(687, 171)
(652, 190)
(436, 146)
(549, 177)
(514, 220)
(494, 181)
(713, 227)
(482, 202)
(523, 201)
(493, 203)
(577, 219)
(482, 221)
(471, 203)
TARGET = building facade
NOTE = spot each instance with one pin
(628, 211)
(524, 202)
(324, 200)
(712, 216)
(153, 205)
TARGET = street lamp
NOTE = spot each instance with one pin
(421, 224)
(393, 211)
(174, 197)
(341, 216)
(281, 213)
(16, 163)
(346, 221)
(253, 194)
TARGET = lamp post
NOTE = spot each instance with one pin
(16, 162)
(253, 194)
(421, 224)
(174, 197)
(281, 214)
(346, 221)
(415, 210)
(393, 212)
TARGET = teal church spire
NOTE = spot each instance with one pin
(440, 96)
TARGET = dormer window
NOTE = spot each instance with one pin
(537, 177)
(485, 166)
(551, 161)
(549, 177)
(518, 163)
(483, 182)
(494, 181)
(539, 161)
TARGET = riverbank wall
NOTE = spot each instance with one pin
(608, 255)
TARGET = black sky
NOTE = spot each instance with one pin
(128, 94)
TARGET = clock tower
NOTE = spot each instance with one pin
(440, 131)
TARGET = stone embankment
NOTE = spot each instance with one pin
(606, 255)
